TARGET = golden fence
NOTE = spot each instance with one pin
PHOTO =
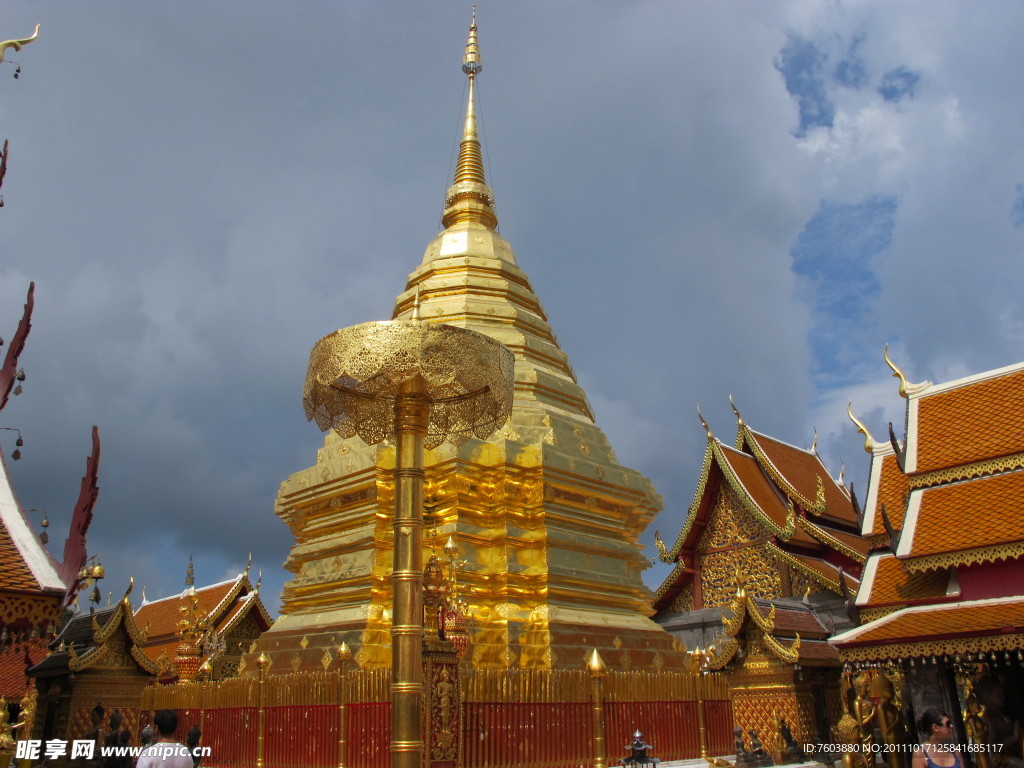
(512, 717)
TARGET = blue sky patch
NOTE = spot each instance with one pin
(1017, 212)
(802, 66)
(852, 72)
(898, 84)
(833, 256)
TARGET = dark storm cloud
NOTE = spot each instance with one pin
(203, 190)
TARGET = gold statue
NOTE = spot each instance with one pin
(864, 715)
(850, 728)
(977, 730)
(890, 721)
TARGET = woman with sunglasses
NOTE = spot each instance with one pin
(937, 729)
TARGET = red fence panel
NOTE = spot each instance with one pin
(719, 721)
(670, 727)
(230, 733)
(368, 735)
(304, 736)
(501, 735)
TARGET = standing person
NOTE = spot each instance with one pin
(937, 729)
(166, 752)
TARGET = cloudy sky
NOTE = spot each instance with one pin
(709, 198)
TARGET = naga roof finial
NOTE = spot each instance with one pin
(707, 429)
(739, 419)
(896, 372)
(869, 441)
(469, 198)
(17, 44)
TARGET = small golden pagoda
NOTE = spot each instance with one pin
(544, 516)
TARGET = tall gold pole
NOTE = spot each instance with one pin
(261, 733)
(344, 654)
(407, 576)
(597, 669)
(701, 719)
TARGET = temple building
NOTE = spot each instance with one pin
(765, 565)
(942, 598)
(546, 518)
(233, 616)
(95, 668)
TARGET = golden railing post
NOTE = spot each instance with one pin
(597, 669)
(344, 654)
(261, 730)
(701, 718)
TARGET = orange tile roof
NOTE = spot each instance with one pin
(13, 680)
(892, 584)
(829, 571)
(162, 615)
(801, 469)
(978, 617)
(857, 543)
(758, 487)
(974, 422)
(969, 515)
(893, 487)
(14, 573)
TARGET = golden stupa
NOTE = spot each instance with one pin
(544, 516)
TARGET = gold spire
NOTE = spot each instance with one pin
(469, 198)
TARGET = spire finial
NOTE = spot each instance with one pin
(190, 574)
(469, 198)
(704, 424)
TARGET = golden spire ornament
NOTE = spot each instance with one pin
(469, 199)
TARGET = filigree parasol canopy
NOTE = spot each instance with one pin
(355, 375)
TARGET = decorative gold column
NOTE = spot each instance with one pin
(415, 384)
(344, 654)
(597, 669)
(261, 729)
(699, 657)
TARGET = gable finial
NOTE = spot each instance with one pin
(869, 441)
(707, 429)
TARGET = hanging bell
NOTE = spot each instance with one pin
(15, 454)
(96, 596)
(19, 442)
(17, 72)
